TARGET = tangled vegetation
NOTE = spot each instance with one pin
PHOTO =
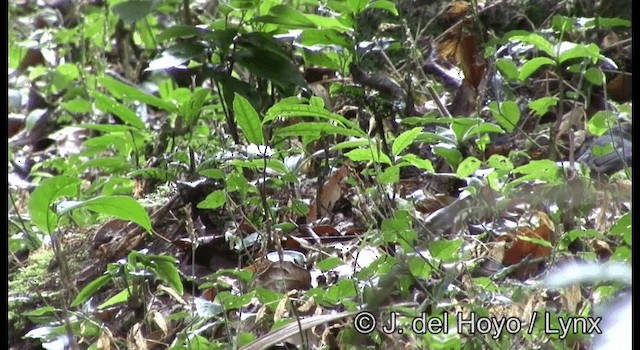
(348, 174)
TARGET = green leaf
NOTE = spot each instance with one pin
(231, 301)
(468, 166)
(182, 32)
(168, 272)
(536, 40)
(508, 68)
(541, 106)
(622, 226)
(570, 51)
(121, 297)
(315, 130)
(287, 16)
(532, 65)
(133, 10)
(419, 267)
(404, 140)
(445, 250)
(284, 109)
(120, 207)
(390, 175)
(418, 162)
(329, 264)
(248, 120)
(127, 92)
(595, 76)
(325, 37)
(357, 6)
(90, 289)
(607, 22)
(507, 114)
(451, 155)
(601, 122)
(42, 198)
(214, 200)
(77, 105)
(109, 105)
(269, 65)
(368, 155)
(194, 105)
(384, 5)
(500, 162)
(212, 173)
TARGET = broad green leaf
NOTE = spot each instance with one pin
(116, 164)
(42, 199)
(194, 105)
(445, 250)
(329, 264)
(368, 155)
(419, 267)
(357, 6)
(570, 51)
(182, 32)
(289, 110)
(418, 162)
(595, 76)
(268, 65)
(468, 166)
(330, 22)
(119, 298)
(500, 162)
(532, 65)
(390, 175)
(120, 207)
(507, 114)
(287, 16)
(536, 40)
(404, 140)
(133, 10)
(541, 106)
(109, 105)
(508, 68)
(601, 122)
(214, 200)
(607, 22)
(231, 301)
(384, 5)
(168, 272)
(451, 155)
(128, 92)
(212, 173)
(77, 105)
(351, 144)
(315, 130)
(90, 289)
(248, 120)
(327, 37)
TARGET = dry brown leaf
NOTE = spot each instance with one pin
(135, 339)
(520, 249)
(457, 9)
(331, 193)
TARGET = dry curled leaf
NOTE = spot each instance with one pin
(522, 245)
(331, 192)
